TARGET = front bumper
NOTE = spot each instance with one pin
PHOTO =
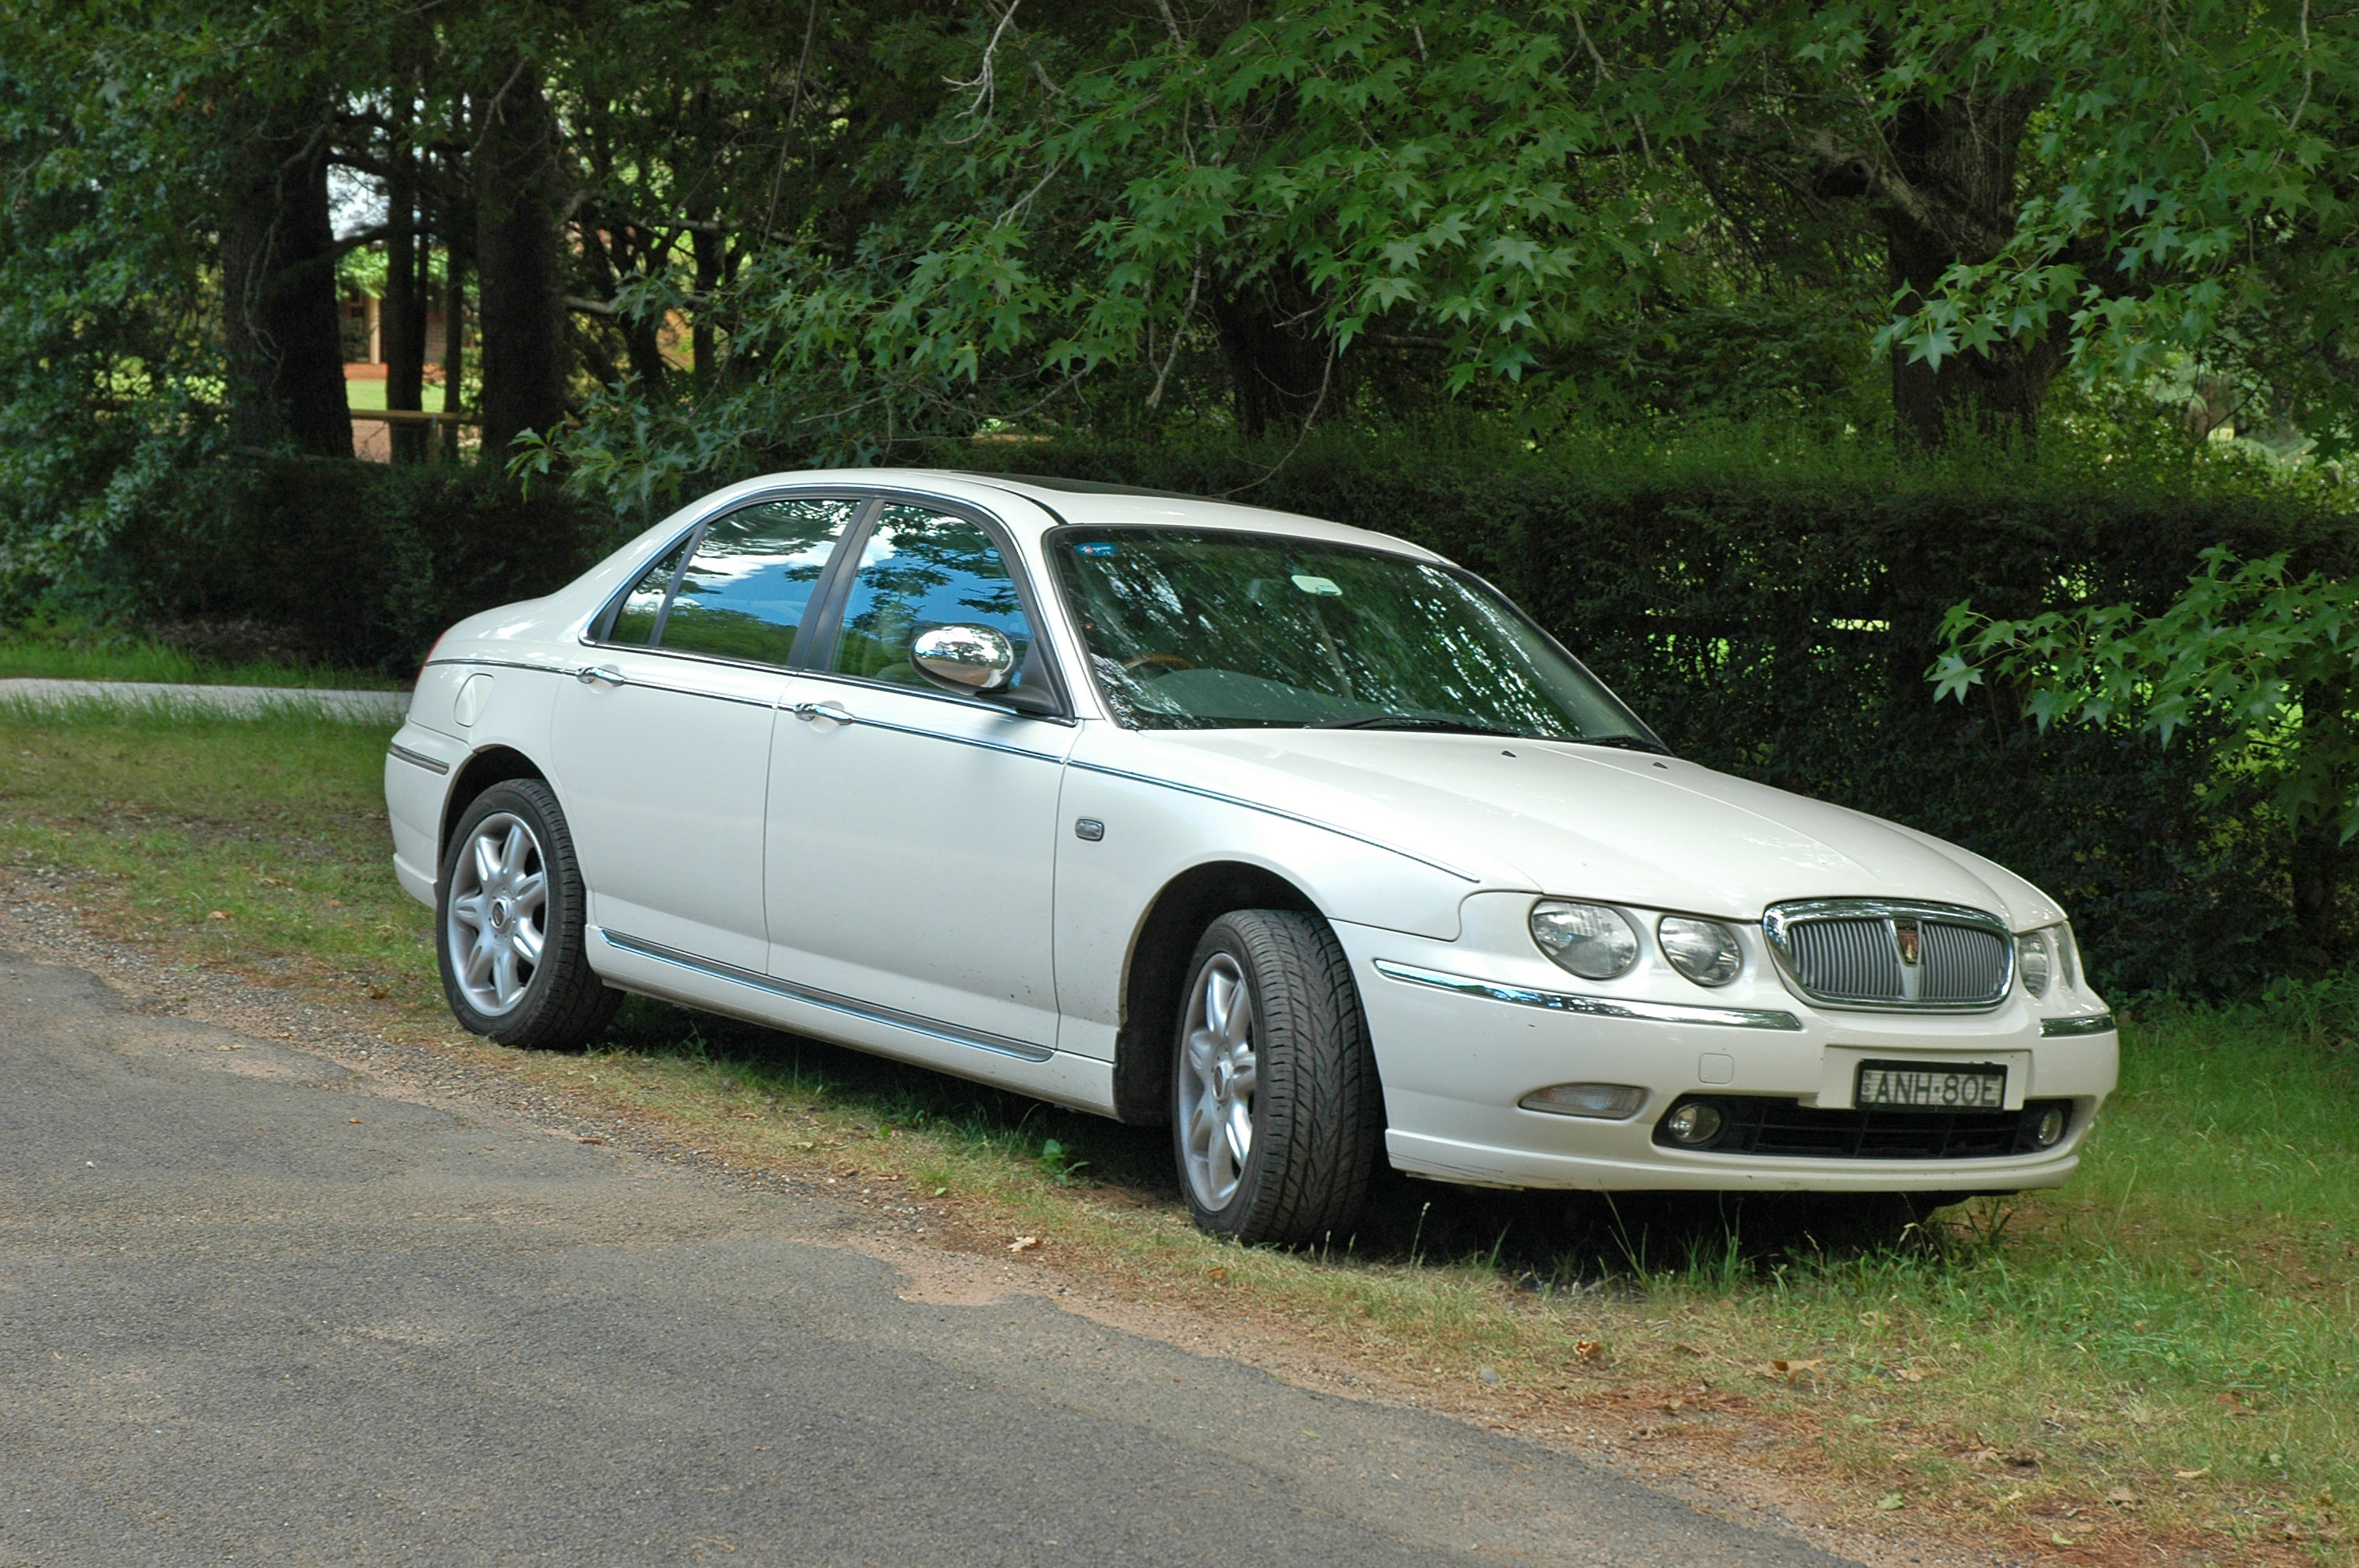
(1455, 1059)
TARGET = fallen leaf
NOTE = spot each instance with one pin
(1216, 1273)
(2122, 1495)
(2060, 1539)
(1910, 1375)
(1689, 1349)
(938, 1191)
(1023, 1244)
(378, 993)
(1788, 1369)
(593, 1141)
(354, 1120)
(1588, 1349)
(218, 914)
(1674, 1406)
(2192, 1474)
(1891, 1500)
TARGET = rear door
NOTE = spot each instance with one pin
(662, 747)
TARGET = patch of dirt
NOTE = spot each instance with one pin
(1717, 1451)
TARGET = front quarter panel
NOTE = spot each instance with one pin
(1155, 832)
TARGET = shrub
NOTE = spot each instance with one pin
(355, 564)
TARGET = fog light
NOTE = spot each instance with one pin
(2049, 1128)
(1609, 1102)
(1695, 1124)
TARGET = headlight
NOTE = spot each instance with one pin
(1705, 951)
(1589, 939)
(2036, 960)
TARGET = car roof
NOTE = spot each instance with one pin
(1094, 504)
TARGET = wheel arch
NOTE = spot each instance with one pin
(493, 764)
(1155, 972)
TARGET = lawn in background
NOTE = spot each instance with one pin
(73, 653)
(2171, 1343)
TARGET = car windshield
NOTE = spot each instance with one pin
(1215, 631)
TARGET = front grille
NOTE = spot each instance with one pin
(1854, 952)
(1784, 1128)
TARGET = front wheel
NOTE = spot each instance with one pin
(1277, 1114)
(510, 921)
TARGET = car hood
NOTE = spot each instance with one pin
(1587, 821)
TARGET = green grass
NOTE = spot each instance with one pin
(359, 394)
(52, 655)
(2181, 1326)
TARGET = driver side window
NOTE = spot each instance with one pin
(920, 570)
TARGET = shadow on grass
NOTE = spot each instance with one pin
(1541, 1240)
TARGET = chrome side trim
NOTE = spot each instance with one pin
(2094, 1023)
(431, 764)
(869, 1011)
(1463, 876)
(938, 735)
(505, 665)
(1592, 1006)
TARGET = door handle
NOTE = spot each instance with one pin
(607, 674)
(834, 712)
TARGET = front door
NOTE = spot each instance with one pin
(912, 832)
(662, 751)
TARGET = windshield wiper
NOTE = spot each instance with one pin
(1626, 742)
(1407, 721)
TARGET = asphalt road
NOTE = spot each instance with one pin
(236, 1325)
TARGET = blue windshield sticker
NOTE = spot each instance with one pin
(1093, 550)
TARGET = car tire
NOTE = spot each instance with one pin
(1278, 1113)
(509, 917)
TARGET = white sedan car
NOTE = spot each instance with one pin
(1295, 837)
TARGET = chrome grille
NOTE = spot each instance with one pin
(1853, 960)
(1856, 952)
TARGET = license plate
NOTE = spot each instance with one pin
(1932, 1087)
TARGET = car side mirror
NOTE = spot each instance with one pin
(974, 661)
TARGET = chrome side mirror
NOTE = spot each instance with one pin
(969, 659)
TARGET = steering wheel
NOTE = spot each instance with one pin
(1162, 661)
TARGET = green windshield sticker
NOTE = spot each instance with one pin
(1320, 585)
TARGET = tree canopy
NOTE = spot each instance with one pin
(696, 242)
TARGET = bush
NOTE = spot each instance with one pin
(1774, 615)
(353, 564)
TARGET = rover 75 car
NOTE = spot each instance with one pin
(1294, 836)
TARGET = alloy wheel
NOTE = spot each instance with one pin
(499, 914)
(1219, 1071)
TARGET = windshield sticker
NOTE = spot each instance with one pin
(1323, 586)
(1093, 550)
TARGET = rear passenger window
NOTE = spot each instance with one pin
(747, 587)
(636, 617)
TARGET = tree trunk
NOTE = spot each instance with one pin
(403, 320)
(1281, 368)
(456, 220)
(1958, 158)
(285, 351)
(520, 290)
(708, 245)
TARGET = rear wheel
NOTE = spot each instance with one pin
(1277, 1115)
(510, 925)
